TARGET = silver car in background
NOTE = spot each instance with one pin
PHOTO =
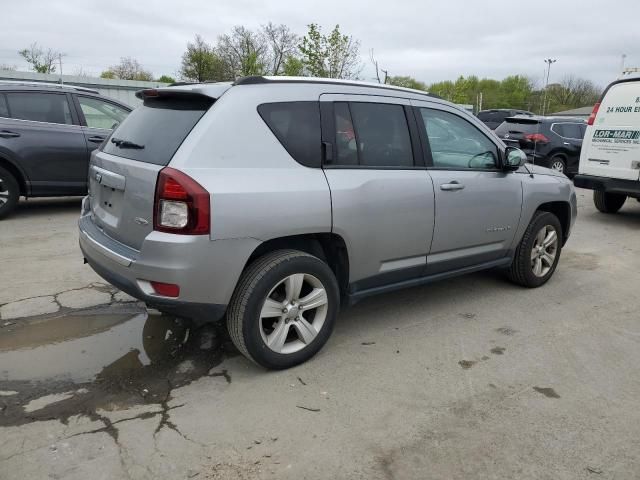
(274, 201)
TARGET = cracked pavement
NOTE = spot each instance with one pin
(467, 378)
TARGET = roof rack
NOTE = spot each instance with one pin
(258, 79)
(46, 84)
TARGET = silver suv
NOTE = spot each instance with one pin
(275, 201)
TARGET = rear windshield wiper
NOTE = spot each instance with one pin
(120, 143)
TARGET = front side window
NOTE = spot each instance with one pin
(39, 107)
(457, 144)
(297, 126)
(100, 114)
(372, 135)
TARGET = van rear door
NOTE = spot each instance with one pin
(612, 144)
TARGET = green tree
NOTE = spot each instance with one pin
(200, 63)
(282, 45)
(166, 79)
(293, 67)
(243, 52)
(332, 56)
(406, 82)
(41, 61)
(128, 69)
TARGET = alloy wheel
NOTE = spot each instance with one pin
(4, 192)
(544, 251)
(558, 166)
(293, 313)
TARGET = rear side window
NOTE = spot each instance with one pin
(4, 109)
(39, 107)
(296, 125)
(153, 132)
(568, 130)
(372, 135)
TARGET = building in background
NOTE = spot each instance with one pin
(582, 112)
(122, 90)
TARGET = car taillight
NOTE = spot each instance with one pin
(537, 137)
(181, 204)
(166, 289)
(594, 112)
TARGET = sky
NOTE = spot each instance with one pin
(428, 40)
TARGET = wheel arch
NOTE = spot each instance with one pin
(562, 210)
(329, 247)
(17, 173)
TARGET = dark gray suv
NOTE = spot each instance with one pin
(47, 133)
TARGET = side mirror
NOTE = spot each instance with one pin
(514, 158)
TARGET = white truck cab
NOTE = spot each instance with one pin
(610, 158)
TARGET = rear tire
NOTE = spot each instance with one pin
(608, 202)
(9, 192)
(559, 164)
(265, 316)
(538, 253)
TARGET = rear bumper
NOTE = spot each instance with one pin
(610, 185)
(206, 271)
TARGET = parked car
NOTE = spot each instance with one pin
(553, 142)
(47, 132)
(610, 159)
(274, 201)
(494, 117)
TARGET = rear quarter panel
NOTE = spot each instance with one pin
(257, 189)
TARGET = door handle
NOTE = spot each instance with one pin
(566, 143)
(96, 139)
(451, 186)
(8, 134)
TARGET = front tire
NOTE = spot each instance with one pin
(608, 202)
(538, 253)
(9, 192)
(284, 309)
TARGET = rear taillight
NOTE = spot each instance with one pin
(537, 138)
(181, 204)
(594, 112)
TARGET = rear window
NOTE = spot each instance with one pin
(516, 125)
(492, 116)
(297, 126)
(153, 132)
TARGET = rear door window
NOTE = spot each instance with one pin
(372, 135)
(296, 125)
(153, 132)
(100, 114)
(39, 107)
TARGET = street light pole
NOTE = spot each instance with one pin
(548, 61)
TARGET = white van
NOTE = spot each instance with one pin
(610, 158)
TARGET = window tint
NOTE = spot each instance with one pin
(518, 125)
(160, 125)
(496, 116)
(4, 109)
(455, 143)
(297, 126)
(39, 107)
(372, 134)
(100, 114)
(568, 130)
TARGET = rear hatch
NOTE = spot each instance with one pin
(611, 146)
(520, 132)
(124, 171)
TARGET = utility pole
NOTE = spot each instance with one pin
(548, 61)
(60, 62)
(624, 57)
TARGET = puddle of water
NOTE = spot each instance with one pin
(78, 348)
(78, 364)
